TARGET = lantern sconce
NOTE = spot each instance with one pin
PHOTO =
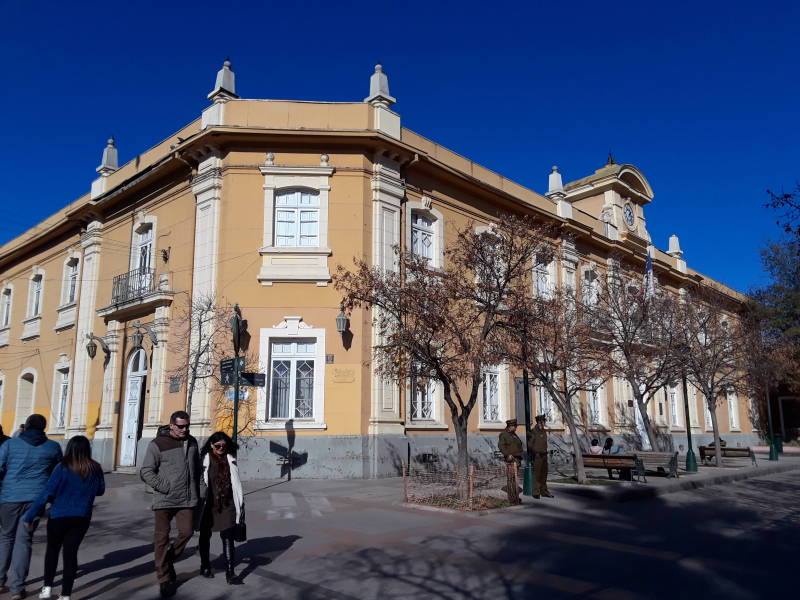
(137, 338)
(91, 348)
(341, 320)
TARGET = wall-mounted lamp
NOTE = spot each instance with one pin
(165, 254)
(341, 320)
(91, 348)
(137, 338)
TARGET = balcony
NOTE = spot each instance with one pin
(132, 285)
(136, 292)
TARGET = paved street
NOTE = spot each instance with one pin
(352, 540)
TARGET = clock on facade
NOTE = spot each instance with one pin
(627, 214)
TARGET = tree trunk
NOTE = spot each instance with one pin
(462, 467)
(580, 470)
(715, 426)
(648, 424)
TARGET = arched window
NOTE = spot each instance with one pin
(297, 218)
(26, 396)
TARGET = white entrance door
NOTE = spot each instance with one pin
(137, 371)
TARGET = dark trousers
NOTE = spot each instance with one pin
(204, 545)
(66, 533)
(166, 553)
(540, 474)
(15, 545)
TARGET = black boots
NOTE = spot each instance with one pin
(229, 552)
(204, 547)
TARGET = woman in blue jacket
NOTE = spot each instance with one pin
(71, 489)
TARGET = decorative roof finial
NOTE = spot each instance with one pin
(554, 182)
(379, 89)
(110, 162)
(225, 86)
(611, 160)
(675, 247)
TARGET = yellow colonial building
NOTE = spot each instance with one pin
(257, 202)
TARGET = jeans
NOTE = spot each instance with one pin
(66, 532)
(166, 553)
(15, 544)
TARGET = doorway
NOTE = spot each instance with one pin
(133, 407)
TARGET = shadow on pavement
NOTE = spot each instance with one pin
(262, 551)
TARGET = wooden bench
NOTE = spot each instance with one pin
(709, 452)
(625, 463)
(654, 461)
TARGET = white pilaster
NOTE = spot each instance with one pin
(157, 371)
(388, 191)
(91, 243)
(207, 188)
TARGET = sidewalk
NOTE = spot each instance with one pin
(733, 469)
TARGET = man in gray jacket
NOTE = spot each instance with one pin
(172, 468)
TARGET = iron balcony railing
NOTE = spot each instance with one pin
(132, 285)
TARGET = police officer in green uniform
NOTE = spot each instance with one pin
(537, 447)
(510, 447)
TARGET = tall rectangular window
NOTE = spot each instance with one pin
(594, 405)
(292, 379)
(297, 219)
(63, 394)
(36, 296)
(546, 405)
(542, 278)
(591, 287)
(673, 406)
(423, 240)
(72, 280)
(491, 395)
(733, 410)
(6, 307)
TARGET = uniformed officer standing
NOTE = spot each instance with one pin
(510, 447)
(537, 447)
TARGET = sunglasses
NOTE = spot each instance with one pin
(219, 445)
(181, 426)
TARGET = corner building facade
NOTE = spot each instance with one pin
(257, 202)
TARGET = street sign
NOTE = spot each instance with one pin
(228, 378)
(227, 365)
(255, 379)
(243, 394)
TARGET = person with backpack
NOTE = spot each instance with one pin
(26, 462)
(71, 490)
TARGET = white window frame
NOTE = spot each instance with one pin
(295, 263)
(71, 282)
(543, 277)
(590, 288)
(291, 328)
(547, 406)
(430, 392)
(597, 395)
(426, 209)
(7, 306)
(19, 418)
(490, 395)
(35, 300)
(501, 373)
(293, 351)
(674, 411)
(62, 388)
(290, 201)
(733, 411)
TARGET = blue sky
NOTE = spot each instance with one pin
(702, 97)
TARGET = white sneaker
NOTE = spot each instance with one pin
(47, 592)
(63, 598)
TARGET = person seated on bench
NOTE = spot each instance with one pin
(595, 448)
(609, 447)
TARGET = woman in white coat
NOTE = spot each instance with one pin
(222, 501)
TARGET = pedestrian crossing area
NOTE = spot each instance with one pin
(286, 505)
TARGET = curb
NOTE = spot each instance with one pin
(635, 492)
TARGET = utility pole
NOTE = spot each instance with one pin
(691, 459)
(236, 328)
(527, 478)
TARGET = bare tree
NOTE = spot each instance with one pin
(553, 337)
(641, 331)
(202, 340)
(442, 324)
(223, 399)
(712, 349)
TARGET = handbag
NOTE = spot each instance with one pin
(240, 529)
